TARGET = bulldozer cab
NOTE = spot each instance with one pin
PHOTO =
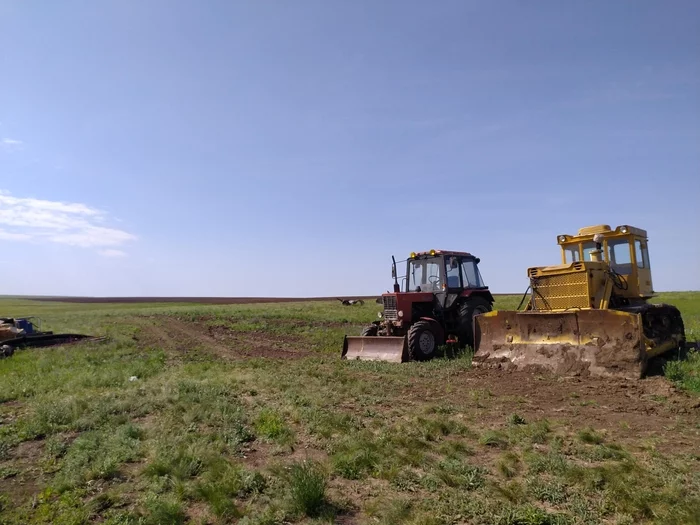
(624, 250)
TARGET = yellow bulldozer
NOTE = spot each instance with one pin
(590, 315)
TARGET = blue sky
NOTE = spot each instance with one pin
(290, 148)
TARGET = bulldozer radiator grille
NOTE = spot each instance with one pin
(559, 292)
(390, 312)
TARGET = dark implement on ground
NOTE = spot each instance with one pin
(26, 332)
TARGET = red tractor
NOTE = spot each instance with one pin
(443, 291)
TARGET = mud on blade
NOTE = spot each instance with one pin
(375, 348)
(582, 342)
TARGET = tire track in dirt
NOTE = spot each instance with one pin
(184, 337)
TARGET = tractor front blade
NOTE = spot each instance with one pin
(375, 348)
(567, 343)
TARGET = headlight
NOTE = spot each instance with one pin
(400, 313)
(562, 238)
(380, 314)
(624, 229)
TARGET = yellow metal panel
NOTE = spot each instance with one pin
(566, 286)
(559, 292)
(590, 230)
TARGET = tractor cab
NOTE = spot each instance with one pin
(440, 272)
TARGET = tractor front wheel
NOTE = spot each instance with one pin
(423, 341)
(369, 331)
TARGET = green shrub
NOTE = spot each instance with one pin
(308, 488)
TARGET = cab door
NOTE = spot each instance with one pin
(641, 260)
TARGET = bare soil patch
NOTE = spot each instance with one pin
(22, 476)
(187, 337)
(628, 412)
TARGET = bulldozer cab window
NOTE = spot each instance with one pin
(619, 256)
(642, 254)
(425, 275)
(572, 254)
(471, 275)
(588, 247)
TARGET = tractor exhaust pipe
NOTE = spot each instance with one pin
(397, 288)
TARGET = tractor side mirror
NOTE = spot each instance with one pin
(454, 263)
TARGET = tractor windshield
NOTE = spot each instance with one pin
(471, 275)
(425, 275)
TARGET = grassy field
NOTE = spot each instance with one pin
(245, 414)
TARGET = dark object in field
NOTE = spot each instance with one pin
(351, 302)
(16, 332)
(6, 351)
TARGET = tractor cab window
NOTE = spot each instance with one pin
(572, 254)
(452, 265)
(619, 256)
(471, 275)
(425, 275)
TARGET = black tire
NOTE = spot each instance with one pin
(467, 310)
(6, 351)
(369, 331)
(423, 341)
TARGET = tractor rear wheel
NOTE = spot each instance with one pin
(369, 331)
(423, 341)
(467, 310)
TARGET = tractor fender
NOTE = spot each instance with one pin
(483, 292)
(438, 327)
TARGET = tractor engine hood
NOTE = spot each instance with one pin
(399, 306)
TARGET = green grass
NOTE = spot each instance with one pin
(307, 485)
(198, 438)
(686, 373)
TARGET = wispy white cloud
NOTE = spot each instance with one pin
(112, 253)
(10, 236)
(11, 145)
(74, 224)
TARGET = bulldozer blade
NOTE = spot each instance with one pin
(571, 343)
(375, 348)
